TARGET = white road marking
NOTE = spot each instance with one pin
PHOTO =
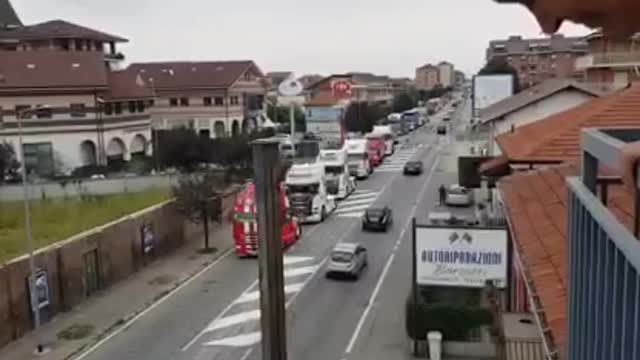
(233, 320)
(290, 260)
(385, 270)
(127, 324)
(237, 341)
(358, 214)
(300, 271)
(355, 202)
(255, 295)
(353, 208)
(360, 196)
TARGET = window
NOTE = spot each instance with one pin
(44, 113)
(173, 102)
(132, 106)
(219, 101)
(248, 76)
(234, 100)
(20, 111)
(38, 158)
(77, 110)
(118, 107)
(140, 106)
(184, 101)
(206, 101)
(152, 103)
(108, 108)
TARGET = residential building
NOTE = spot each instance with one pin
(215, 98)
(459, 78)
(401, 84)
(8, 17)
(446, 74)
(612, 61)
(539, 59)
(574, 263)
(427, 77)
(365, 87)
(89, 115)
(277, 77)
(538, 102)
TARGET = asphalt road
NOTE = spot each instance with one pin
(216, 315)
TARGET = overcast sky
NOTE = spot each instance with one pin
(326, 36)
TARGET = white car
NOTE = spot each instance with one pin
(459, 196)
(347, 259)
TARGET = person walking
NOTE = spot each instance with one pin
(442, 191)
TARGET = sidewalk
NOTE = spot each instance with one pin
(113, 307)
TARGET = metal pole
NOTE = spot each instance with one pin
(272, 300)
(292, 119)
(414, 285)
(30, 247)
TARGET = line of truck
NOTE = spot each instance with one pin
(321, 174)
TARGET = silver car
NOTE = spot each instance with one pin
(459, 196)
(347, 259)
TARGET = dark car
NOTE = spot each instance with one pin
(377, 219)
(413, 168)
(441, 129)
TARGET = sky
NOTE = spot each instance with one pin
(318, 37)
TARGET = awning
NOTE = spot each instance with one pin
(496, 167)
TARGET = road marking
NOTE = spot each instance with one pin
(360, 196)
(300, 271)
(237, 341)
(290, 260)
(352, 208)
(354, 202)
(233, 320)
(255, 295)
(353, 215)
(387, 266)
(127, 324)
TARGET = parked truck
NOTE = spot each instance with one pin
(339, 181)
(376, 148)
(358, 158)
(307, 192)
(389, 137)
(245, 224)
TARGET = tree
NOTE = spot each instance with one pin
(181, 148)
(361, 116)
(403, 102)
(498, 65)
(281, 114)
(9, 164)
(199, 199)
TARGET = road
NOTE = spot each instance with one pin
(216, 315)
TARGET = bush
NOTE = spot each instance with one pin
(453, 320)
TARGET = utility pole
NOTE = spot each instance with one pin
(266, 166)
(292, 117)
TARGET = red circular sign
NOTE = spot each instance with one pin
(342, 89)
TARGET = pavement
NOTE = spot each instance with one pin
(215, 314)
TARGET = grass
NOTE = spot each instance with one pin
(58, 219)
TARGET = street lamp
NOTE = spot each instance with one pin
(20, 115)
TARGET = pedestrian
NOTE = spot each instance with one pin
(442, 191)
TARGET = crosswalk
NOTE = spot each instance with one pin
(355, 205)
(395, 162)
(239, 324)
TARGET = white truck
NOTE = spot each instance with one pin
(358, 158)
(389, 137)
(307, 192)
(339, 181)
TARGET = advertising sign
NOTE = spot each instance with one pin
(341, 89)
(40, 285)
(462, 257)
(148, 238)
(324, 114)
(489, 89)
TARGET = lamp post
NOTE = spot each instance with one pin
(20, 115)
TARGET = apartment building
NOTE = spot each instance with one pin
(612, 61)
(446, 74)
(427, 77)
(215, 98)
(539, 59)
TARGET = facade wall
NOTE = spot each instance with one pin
(446, 74)
(535, 68)
(427, 78)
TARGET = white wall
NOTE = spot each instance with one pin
(554, 104)
(446, 74)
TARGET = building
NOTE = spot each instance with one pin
(539, 59)
(8, 17)
(364, 87)
(459, 78)
(535, 103)
(401, 84)
(215, 98)
(566, 248)
(427, 77)
(277, 77)
(611, 61)
(447, 74)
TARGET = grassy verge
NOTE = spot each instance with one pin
(58, 219)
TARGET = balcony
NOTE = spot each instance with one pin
(604, 260)
(609, 60)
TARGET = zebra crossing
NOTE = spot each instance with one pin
(355, 205)
(395, 162)
(239, 324)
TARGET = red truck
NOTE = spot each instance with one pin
(245, 224)
(376, 147)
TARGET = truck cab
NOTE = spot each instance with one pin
(358, 158)
(376, 148)
(339, 181)
(389, 137)
(307, 192)
(245, 224)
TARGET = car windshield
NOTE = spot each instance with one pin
(355, 157)
(458, 191)
(341, 256)
(375, 212)
(334, 170)
(414, 163)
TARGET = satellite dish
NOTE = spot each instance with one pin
(290, 87)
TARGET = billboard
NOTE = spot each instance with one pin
(460, 257)
(489, 89)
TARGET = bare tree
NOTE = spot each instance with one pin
(199, 199)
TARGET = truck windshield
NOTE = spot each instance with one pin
(305, 189)
(341, 256)
(352, 158)
(334, 170)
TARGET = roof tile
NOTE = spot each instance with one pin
(58, 29)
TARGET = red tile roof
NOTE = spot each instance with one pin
(51, 71)
(124, 85)
(557, 137)
(194, 75)
(536, 207)
(58, 29)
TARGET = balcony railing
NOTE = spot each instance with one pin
(608, 59)
(604, 261)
